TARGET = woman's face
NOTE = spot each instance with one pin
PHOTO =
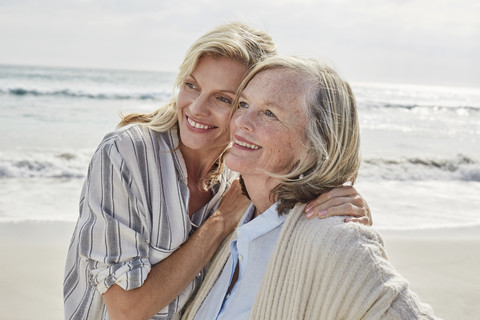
(204, 103)
(268, 127)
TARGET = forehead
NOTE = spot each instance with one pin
(278, 86)
(282, 90)
(219, 69)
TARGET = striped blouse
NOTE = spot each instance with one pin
(133, 214)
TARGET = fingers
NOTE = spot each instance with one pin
(363, 220)
(369, 214)
(234, 192)
(355, 213)
(349, 206)
(340, 201)
(232, 207)
(343, 191)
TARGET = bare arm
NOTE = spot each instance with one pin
(171, 276)
(340, 201)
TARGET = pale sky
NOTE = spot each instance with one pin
(434, 42)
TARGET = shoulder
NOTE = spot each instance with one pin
(139, 139)
(124, 145)
(334, 235)
(125, 135)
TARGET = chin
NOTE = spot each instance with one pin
(230, 163)
(236, 165)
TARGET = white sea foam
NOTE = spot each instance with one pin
(73, 164)
(44, 164)
(459, 168)
(90, 94)
(411, 96)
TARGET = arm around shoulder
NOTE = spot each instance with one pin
(169, 277)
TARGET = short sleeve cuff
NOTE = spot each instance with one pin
(128, 275)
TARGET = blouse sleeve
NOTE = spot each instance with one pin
(113, 237)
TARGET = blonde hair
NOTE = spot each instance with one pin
(331, 139)
(236, 41)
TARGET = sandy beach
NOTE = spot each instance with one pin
(441, 265)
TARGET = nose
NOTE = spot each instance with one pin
(200, 106)
(244, 119)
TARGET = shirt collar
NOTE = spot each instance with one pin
(265, 222)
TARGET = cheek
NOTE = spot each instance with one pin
(185, 98)
(227, 117)
(181, 102)
(225, 136)
(278, 158)
(286, 154)
(223, 121)
(232, 123)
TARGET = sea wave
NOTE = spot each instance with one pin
(414, 96)
(19, 91)
(116, 93)
(460, 167)
(67, 164)
(434, 107)
(44, 165)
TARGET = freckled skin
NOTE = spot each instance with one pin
(279, 92)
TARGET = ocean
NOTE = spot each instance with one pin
(420, 144)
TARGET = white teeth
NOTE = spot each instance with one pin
(248, 145)
(198, 125)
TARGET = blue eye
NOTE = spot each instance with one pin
(190, 85)
(225, 100)
(269, 113)
(243, 104)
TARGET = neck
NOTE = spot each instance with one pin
(198, 163)
(259, 189)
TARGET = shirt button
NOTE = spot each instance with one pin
(240, 257)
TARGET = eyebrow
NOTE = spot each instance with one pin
(265, 102)
(226, 91)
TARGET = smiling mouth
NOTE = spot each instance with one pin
(247, 145)
(197, 125)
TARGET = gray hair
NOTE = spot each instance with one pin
(331, 138)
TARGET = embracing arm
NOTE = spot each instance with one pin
(170, 277)
(115, 227)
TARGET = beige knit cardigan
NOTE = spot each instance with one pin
(324, 269)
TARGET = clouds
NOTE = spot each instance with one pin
(413, 41)
(434, 42)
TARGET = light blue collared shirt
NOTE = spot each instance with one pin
(251, 249)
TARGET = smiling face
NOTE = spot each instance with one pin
(204, 104)
(269, 125)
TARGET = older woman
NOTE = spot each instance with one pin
(135, 253)
(296, 135)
